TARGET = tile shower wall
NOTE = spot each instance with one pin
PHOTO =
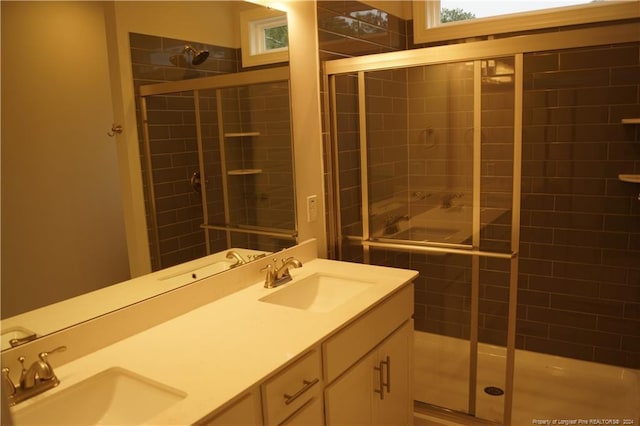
(174, 146)
(347, 29)
(265, 199)
(387, 147)
(580, 242)
(209, 131)
(352, 28)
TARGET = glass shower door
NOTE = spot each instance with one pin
(420, 184)
(218, 163)
(254, 167)
(426, 154)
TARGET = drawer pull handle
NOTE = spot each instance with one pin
(307, 385)
(381, 376)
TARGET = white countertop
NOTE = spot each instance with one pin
(57, 316)
(221, 349)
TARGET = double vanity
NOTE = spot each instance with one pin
(330, 346)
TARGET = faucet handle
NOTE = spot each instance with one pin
(23, 371)
(44, 355)
(7, 383)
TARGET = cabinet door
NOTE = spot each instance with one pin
(393, 370)
(377, 390)
(349, 401)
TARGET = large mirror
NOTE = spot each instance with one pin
(66, 195)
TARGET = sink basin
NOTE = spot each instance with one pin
(18, 334)
(112, 397)
(424, 233)
(318, 292)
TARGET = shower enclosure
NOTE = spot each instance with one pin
(219, 168)
(429, 154)
(427, 148)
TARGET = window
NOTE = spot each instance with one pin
(438, 20)
(459, 10)
(264, 37)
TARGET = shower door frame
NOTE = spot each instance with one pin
(217, 83)
(476, 52)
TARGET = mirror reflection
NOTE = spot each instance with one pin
(219, 164)
(64, 241)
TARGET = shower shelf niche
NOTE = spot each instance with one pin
(241, 172)
(241, 134)
(629, 178)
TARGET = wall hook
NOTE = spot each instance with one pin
(115, 129)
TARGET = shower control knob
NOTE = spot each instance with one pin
(115, 129)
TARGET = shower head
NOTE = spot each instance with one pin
(197, 56)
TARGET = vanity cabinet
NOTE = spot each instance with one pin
(245, 410)
(361, 374)
(377, 389)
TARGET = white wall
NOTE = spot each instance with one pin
(62, 218)
(307, 125)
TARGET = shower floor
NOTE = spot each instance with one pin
(547, 387)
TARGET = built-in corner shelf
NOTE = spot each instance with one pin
(629, 178)
(241, 172)
(241, 134)
(631, 121)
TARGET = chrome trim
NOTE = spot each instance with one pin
(223, 162)
(515, 239)
(306, 386)
(203, 173)
(335, 176)
(364, 162)
(487, 49)
(475, 237)
(435, 249)
(416, 243)
(269, 232)
(217, 81)
(152, 196)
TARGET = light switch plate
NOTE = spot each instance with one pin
(312, 208)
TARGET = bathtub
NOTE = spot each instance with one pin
(547, 387)
(434, 225)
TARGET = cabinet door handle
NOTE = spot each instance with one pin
(380, 371)
(288, 399)
(387, 362)
(384, 373)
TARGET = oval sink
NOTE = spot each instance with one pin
(15, 336)
(318, 292)
(112, 397)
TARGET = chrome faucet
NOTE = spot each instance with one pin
(278, 276)
(391, 223)
(231, 254)
(447, 199)
(38, 378)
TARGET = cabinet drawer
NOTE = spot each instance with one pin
(351, 343)
(292, 388)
